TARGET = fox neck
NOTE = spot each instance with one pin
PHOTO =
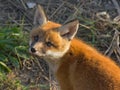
(53, 64)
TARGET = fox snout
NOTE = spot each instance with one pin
(37, 49)
(32, 50)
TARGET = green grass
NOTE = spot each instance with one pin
(13, 47)
(13, 50)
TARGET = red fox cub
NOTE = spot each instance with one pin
(76, 65)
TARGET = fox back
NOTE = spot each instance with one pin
(76, 65)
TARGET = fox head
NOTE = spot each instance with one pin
(49, 39)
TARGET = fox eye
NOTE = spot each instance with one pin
(36, 38)
(49, 44)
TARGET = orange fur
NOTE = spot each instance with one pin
(84, 68)
(80, 67)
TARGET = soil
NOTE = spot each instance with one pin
(98, 26)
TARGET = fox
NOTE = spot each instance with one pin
(75, 64)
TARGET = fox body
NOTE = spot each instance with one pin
(76, 65)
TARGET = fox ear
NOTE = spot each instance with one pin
(69, 30)
(40, 17)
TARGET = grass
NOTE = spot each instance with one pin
(13, 51)
(9, 83)
(13, 47)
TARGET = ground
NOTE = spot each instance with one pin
(99, 26)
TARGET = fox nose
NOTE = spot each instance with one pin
(33, 50)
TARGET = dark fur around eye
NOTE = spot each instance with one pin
(49, 44)
(36, 38)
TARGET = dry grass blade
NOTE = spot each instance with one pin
(19, 23)
(57, 10)
(73, 8)
(118, 45)
(85, 26)
(48, 5)
(39, 65)
(114, 46)
(23, 3)
(22, 10)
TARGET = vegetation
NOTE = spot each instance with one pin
(7, 83)
(13, 47)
